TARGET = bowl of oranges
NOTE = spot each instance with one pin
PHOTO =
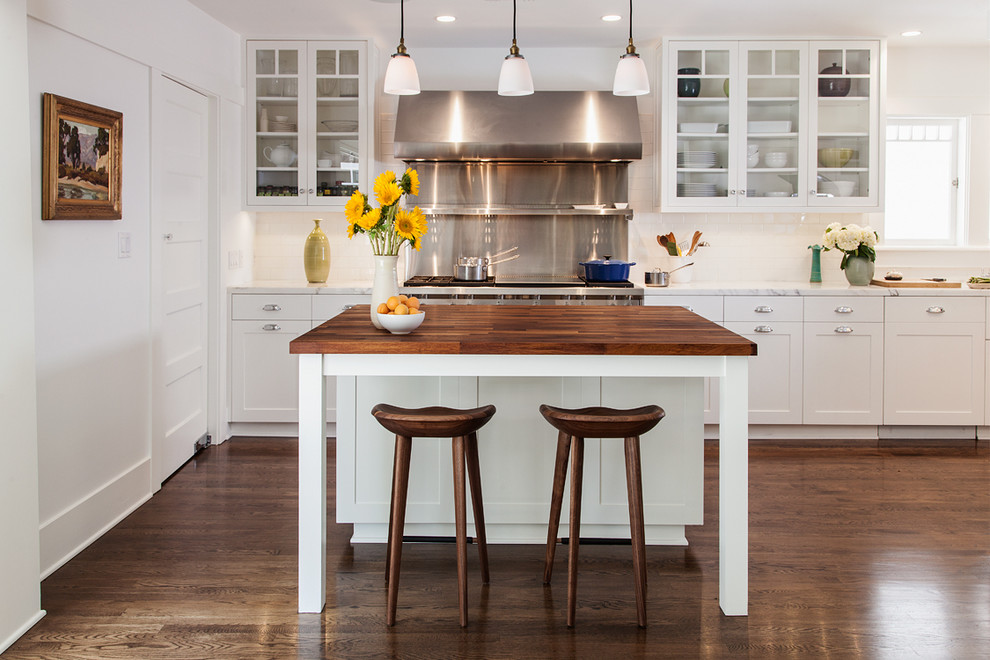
(400, 314)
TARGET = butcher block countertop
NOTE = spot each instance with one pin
(524, 330)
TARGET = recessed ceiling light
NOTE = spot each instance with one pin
(446, 19)
(611, 18)
(911, 33)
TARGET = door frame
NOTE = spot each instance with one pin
(213, 295)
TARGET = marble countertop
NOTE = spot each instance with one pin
(741, 288)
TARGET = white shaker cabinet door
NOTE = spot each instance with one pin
(264, 377)
(775, 373)
(843, 373)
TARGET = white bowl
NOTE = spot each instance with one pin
(622, 205)
(776, 159)
(778, 193)
(401, 324)
(838, 188)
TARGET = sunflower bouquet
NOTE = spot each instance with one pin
(389, 225)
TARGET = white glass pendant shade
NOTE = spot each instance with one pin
(515, 78)
(630, 76)
(401, 76)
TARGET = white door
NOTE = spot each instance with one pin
(180, 218)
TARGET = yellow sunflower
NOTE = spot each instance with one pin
(370, 219)
(350, 229)
(410, 182)
(387, 191)
(417, 243)
(354, 208)
(406, 225)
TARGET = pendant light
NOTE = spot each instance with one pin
(401, 76)
(515, 78)
(630, 75)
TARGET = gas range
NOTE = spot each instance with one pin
(541, 290)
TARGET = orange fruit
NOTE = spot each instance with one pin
(413, 302)
(383, 308)
(415, 310)
(403, 297)
(393, 302)
(401, 309)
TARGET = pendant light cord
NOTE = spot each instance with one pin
(402, 21)
(514, 21)
(630, 21)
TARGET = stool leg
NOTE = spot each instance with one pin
(403, 450)
(460, 520)
(574, 533)
(477, 502)
(556, 500)
(391, 510)
(634, 486)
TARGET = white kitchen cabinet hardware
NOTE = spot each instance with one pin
(843, 309)
(799, 130)
(308, 124)
(764, 309)
(272, 308)
(934, 363)
(843, 330)
(766, 329)
(934, 309)
(271, 327)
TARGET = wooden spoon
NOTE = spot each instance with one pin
(694, 242)
(662, 240)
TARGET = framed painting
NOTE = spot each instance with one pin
(81, 160)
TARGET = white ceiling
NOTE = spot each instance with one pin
(554, 23)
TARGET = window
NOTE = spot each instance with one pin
(924, 190)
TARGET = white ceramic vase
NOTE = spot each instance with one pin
(385, 285)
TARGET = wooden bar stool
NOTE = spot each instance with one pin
(576, 425)
(435, 422)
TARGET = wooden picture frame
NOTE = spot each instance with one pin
(81, 161)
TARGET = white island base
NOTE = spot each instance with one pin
(517, 450)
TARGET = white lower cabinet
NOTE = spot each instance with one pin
(934, 360)
(843, 360)
(775, 373)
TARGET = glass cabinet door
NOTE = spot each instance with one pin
(337, 118)
(275, 71)
(699, 102)
(772, 159)
(845, 124)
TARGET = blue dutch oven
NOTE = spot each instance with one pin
(607, 269)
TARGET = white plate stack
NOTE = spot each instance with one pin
(696, 159)
(281, 126)
(696, 190)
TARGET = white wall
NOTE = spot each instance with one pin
(94, 331)
(744, 246)
(20, 602)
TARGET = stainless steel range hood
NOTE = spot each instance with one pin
(546, 126)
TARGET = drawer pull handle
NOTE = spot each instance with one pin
(842, 309)
(272, 308)
(935, 309)
(271, 327)
(843, 329)
(689, 308)
(763, 329)
(347, 307)
(763, 309)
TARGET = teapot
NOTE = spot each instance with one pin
(280, 156)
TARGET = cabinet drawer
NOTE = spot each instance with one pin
(764, 308)
(850, 309)
(326, 306)
(935, 309)
(709, 307)
(253, 306)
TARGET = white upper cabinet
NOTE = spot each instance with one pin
(309, 122)
(770, 125)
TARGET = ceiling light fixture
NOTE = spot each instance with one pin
(630, 74)
(401, 76)
(446, 19)
(515, 78)
(611, 18)
(911, 33)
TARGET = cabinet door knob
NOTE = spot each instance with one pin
(763, 309)
(272, 308)
(935, 309)
(842, 309)
(732, 192)
(764, 329)
(271, 327)
(843, 329)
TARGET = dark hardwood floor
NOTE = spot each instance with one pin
(855, 552)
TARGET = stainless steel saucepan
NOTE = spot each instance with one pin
(475, 269)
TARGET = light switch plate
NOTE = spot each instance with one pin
(124, 245)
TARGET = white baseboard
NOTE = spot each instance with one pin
(271, 429)
(26, 626)
(67, 533)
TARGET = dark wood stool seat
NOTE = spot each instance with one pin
(435, 422)
(573, 426)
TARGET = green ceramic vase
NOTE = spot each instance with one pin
(316, 255)
(859, 270)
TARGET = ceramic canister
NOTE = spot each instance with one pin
(316, 255)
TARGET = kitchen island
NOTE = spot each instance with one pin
(528, 342)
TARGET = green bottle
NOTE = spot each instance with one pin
(816, 262)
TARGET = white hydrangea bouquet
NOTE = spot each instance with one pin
(853, 240)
